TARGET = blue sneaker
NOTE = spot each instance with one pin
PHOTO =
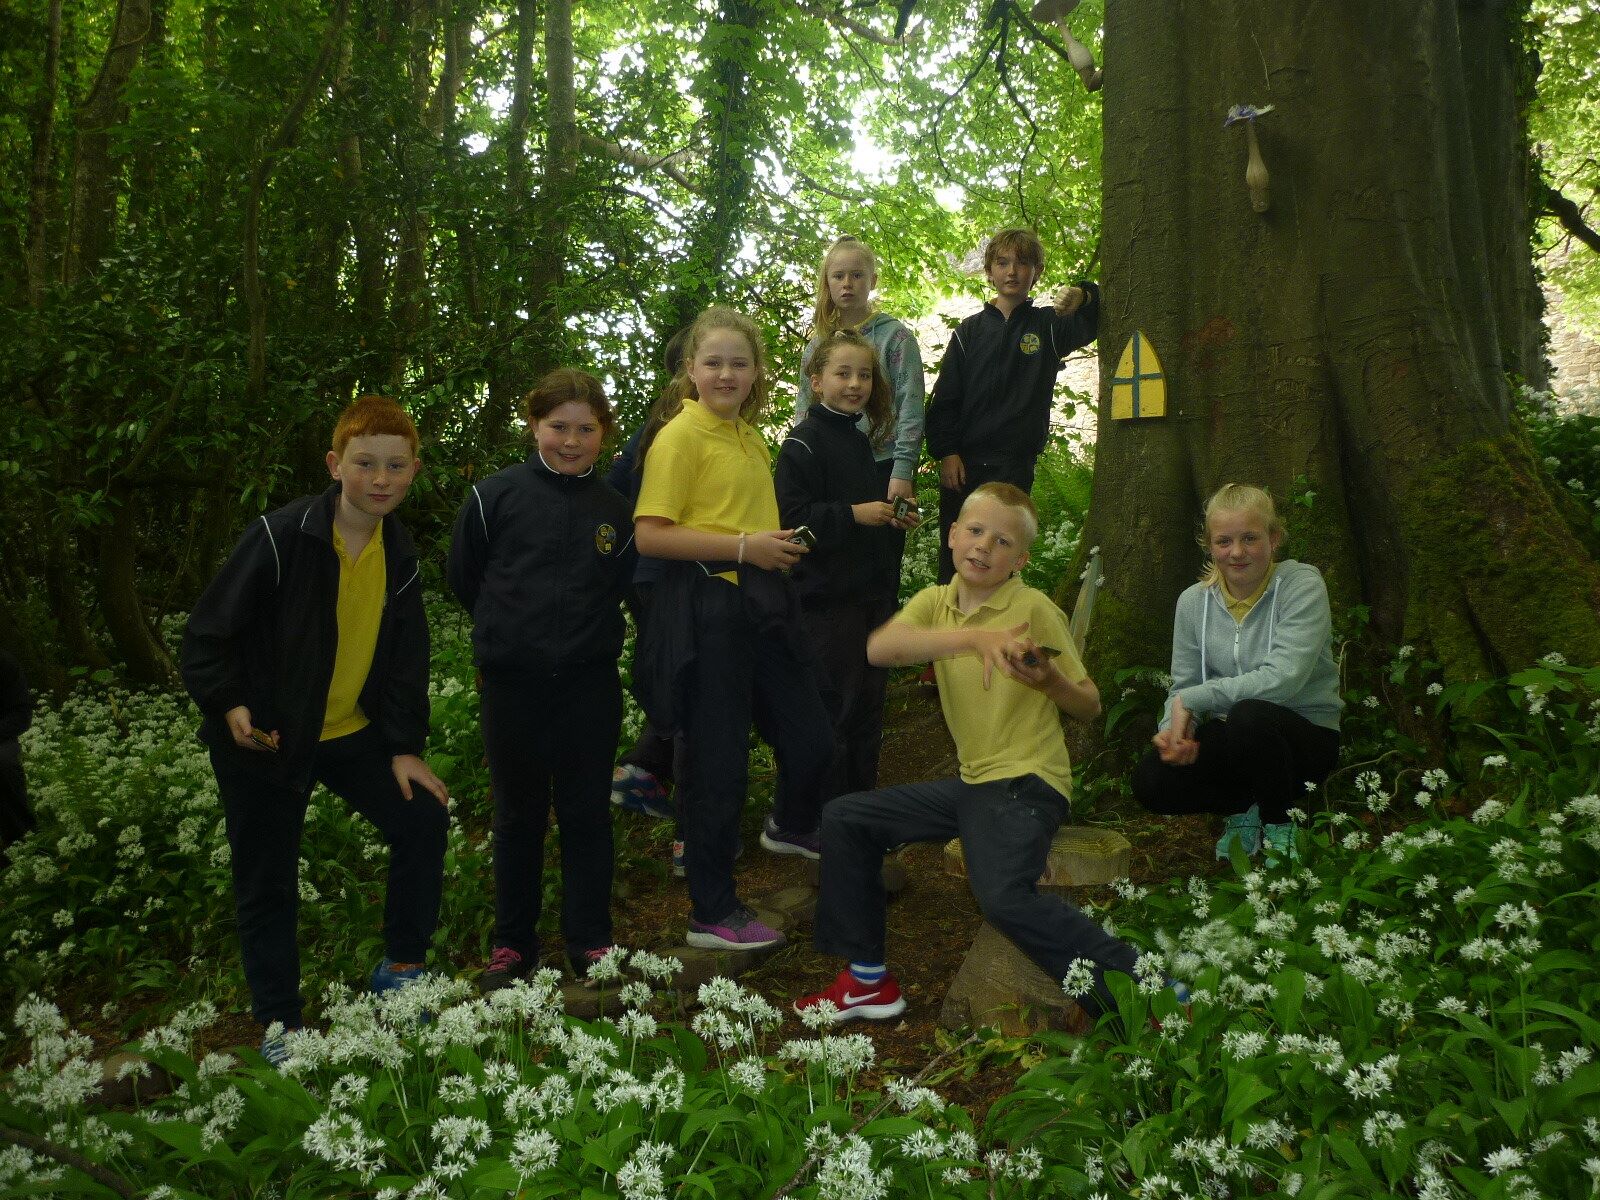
(636, 790)
(275, 1051)
(390, 976)
(1246, 827)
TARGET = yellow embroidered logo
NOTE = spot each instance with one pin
(1030, 343)
(605, 539)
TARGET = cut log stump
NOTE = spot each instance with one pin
(998, 986)
(895, 876)
(1079, 855)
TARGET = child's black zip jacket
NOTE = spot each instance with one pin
(542, 560)
(993, 396)
(824, 466)
(265, 632)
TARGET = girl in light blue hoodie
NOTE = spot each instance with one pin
(1251, 722)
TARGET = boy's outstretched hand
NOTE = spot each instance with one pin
(409, 769)
(995, 646)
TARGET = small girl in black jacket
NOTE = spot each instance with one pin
(827, 480)
(541, 557)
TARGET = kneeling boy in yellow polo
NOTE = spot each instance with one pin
(1006, 669)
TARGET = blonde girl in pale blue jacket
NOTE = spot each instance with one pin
(1252, 714)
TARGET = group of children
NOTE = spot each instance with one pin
(763, 599)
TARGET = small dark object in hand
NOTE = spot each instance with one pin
(1033, 660)
(902, 508)
(804, 537)
(264, 740)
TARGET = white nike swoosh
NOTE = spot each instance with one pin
(852, 998)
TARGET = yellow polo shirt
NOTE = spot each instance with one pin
(1010, 729)
(709, 474)
(361, 594)
(1240, 609)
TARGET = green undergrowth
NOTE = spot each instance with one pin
(1405, 1013)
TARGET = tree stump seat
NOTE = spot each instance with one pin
(1079, 855)
(999, 986)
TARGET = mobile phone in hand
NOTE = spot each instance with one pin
(264, 740)
(902, 508)
(804, 537)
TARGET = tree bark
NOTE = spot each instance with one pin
(44, 127)
(94, 167)
(1352, 341)
(546, 339)
(724, 89)
(281, 140)
(505, 371)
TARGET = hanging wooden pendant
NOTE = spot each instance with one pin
(1138, 389)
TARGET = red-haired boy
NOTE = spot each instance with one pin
(308, 657)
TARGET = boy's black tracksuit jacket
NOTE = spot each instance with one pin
(824, 466)
(265, 632)
(549, 598)
(993, 396)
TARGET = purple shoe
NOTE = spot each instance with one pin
(775, 840)
(739, 930)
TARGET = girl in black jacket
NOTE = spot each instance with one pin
(541, 557)
(826, 479)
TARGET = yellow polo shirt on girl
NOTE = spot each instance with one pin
(360, 609)
(1240, 609)
(709, 474)
(1010, 729)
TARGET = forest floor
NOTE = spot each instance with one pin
(931, 922)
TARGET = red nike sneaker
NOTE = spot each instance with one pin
(851, 999)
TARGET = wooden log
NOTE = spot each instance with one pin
(1079, 855)
(998, 986)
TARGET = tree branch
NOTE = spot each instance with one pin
(667, 164)
(840, 21)
(1571, 217)
(76, 1161)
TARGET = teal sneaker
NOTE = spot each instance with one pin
(1246, 827)
(1281, 844)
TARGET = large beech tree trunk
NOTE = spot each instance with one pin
(1353, 341)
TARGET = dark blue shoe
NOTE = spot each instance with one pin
(636, 790)
(390, 976)
(778, 841)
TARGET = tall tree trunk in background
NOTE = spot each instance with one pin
(43, 122)
(364, 231)
(94, 168)
(146, 153)
(255, 301)
(505, 370)
(552, 228)
(419, 151)
(732, 119)
(117, 582)
(1351, 341)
